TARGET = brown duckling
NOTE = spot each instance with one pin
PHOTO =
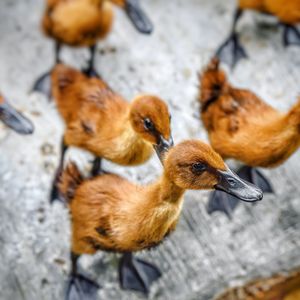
(82, 23)
(277, 287)
(13, 119)
(102, 122)
(112, 214)
(242, 126)
(286, 11)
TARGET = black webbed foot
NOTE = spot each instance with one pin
(136, 274)
(43, 85)
(256, 177)
(291, 35)
(231, 51)
(81, 288)
(220, 201)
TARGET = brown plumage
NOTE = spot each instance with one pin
(84, 22)
(77, 22)
(287, 11)
(277, 287)
(240, 125)
(111, 213)
(101, 121)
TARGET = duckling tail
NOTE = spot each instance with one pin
(69, 181)
(213, 83)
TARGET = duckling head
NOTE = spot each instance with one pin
(150, 118)
(136, 14)
(195, 165)
(13, 119)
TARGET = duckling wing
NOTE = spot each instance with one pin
(234, 110)
(241, 125)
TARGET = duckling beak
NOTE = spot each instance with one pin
(138, 17)
(232, 184)
(15, 120)
(163, 146)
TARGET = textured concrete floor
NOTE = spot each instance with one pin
(206, 253)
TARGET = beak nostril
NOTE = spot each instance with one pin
(231, 181)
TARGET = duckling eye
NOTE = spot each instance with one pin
(198, 167)
(148, 124)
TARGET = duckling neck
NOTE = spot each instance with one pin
(134, 149)
(165, 191)
(159, 209)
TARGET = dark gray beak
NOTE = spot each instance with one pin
(15, 120)
(232, 184)
(138, 17)
(163, 146)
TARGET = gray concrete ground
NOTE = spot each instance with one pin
(206, 253)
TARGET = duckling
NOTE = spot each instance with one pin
(286, 11)
(242, 126)
(277, 287)
(13, 119)
(110, 213)
(102, 122)
(81, 23)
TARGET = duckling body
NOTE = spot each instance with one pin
(102, 122)
(78, 23)
(82, 23)
(110, 213)
(129, 217)
(242, 126)
(287, 13)
(14, 119)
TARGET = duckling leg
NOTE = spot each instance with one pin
(291, 35)
(231, 51)
(90, 71)
(43, 84)
(256, 177)
(136, 274)
(96, 169)
(223, 202)
(79, 287)
(55, 194)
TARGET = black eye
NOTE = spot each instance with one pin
(148, 124)
(198, 167)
